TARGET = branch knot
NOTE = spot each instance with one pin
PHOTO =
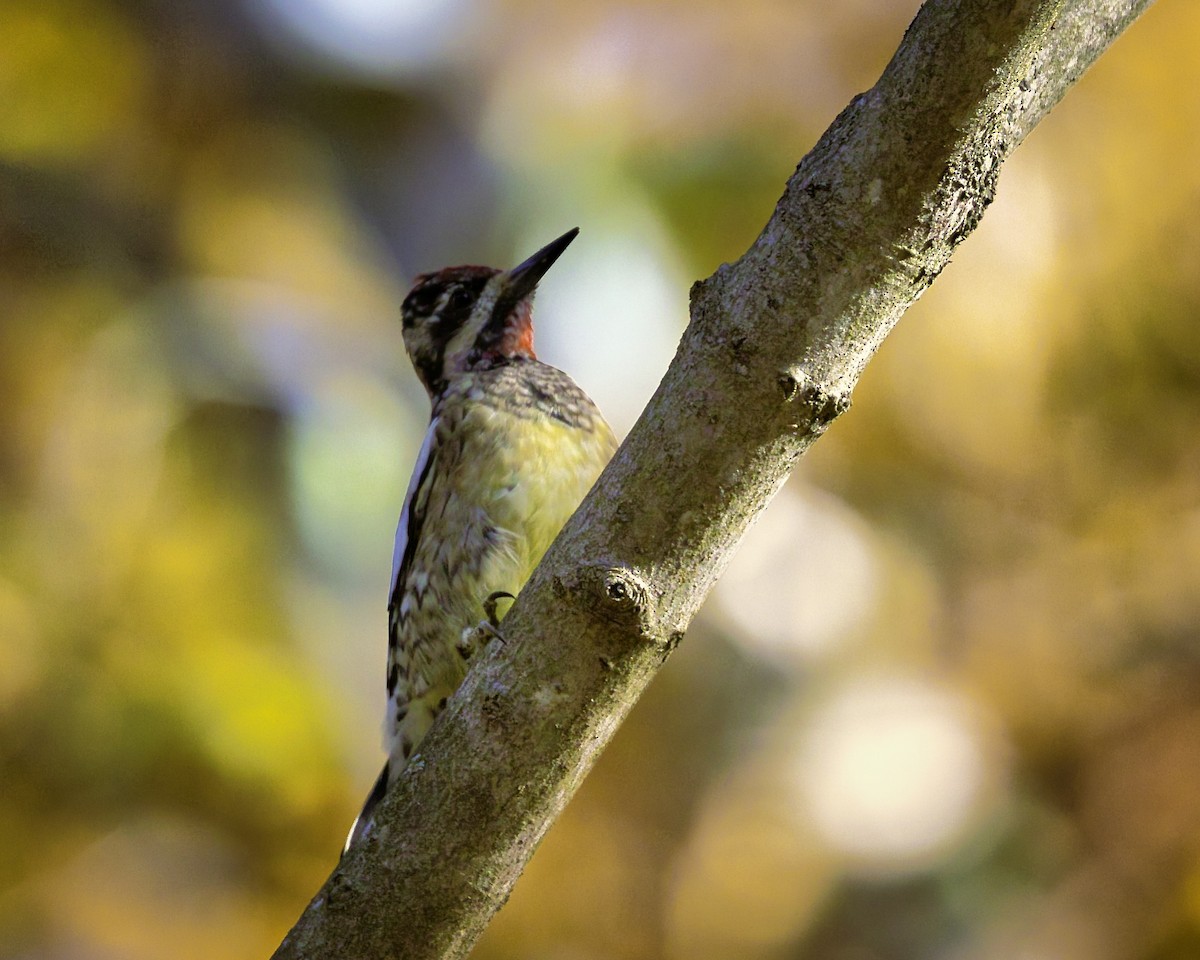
(823, 405)
(618, 594)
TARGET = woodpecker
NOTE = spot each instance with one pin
(512, 447)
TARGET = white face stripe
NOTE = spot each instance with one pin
(467, 335)
(414, 480)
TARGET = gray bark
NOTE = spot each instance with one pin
(775, 344)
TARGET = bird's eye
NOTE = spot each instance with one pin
(459, 299)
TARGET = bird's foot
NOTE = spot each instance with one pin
(479, 636)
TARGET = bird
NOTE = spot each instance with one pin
(513, 446)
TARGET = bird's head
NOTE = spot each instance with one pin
(462, 318)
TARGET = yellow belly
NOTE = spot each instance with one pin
(502, 484)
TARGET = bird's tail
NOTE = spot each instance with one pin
(366, 819)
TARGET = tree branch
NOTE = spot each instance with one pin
(775, 344)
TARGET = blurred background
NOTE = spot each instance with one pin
(971, 732)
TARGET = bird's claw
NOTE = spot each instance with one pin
(489, 607)
(484, 632)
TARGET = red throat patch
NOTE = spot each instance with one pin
(517, 339)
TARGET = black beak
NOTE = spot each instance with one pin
(523, 279)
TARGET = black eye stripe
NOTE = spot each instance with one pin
(452, 316)
(451, 302)
(420, 302)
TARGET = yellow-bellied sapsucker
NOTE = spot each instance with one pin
(512, 447)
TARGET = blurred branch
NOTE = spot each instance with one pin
(775, 344)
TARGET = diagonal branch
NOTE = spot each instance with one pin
(775, 344)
